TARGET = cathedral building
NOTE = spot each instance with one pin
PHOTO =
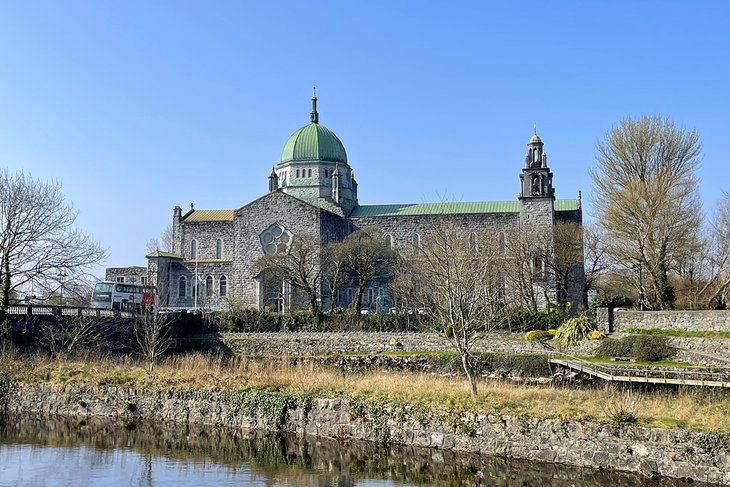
(313, 189)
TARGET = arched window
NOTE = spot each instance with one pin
(472, 242)
(389, 241)
(309, 173)
(538, 268)
(502, 242)
(218, 248)
(193, 249)
(209, 286)
(297, 172)
(416, 240)
(182, 285)
(222, 286)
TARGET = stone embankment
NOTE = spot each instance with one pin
(311, 343)
(702, 457)
(713, 352)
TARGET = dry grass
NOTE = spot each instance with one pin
(688, 409)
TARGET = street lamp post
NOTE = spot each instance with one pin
(62, 277)
(637, 267)
(133, 278)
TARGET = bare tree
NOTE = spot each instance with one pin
(298, 265)
(70, 335)
(152, 335)
(39, 243)
(597, 261)
(163, 242)
(463, 287)
(525, 248)
(563, 257)
(716, 289)
(365, 254)
(646, 197)
(333, 271)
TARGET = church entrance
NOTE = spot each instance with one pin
(276, 295)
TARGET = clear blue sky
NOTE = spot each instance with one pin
(140, 106)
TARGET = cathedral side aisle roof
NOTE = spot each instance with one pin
(210, 216)
(367, 211)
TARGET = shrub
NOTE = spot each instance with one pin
(521, 364)
(525, 321)
(596, 335)
(252, 320)
(644, 348)
(623, 418)
(648, 348)
(611, 347)
(537, 336)
(574, 330)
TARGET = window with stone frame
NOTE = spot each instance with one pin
(275, 239)
(473, 242)
(538, 267)
(219, 248)
(389, 240)
(222, 286)
(182, 285)
(209, 286)
(416, 240)
(193, 249)
(120, 279)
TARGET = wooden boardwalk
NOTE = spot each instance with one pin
(686, 376)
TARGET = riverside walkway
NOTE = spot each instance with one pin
(686, 376)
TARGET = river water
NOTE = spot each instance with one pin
(37, 451)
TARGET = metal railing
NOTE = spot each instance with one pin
(691, 375)
(45, 310)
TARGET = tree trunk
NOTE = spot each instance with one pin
(469, 373)
(4, 287)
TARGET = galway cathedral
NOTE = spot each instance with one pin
(313, 189)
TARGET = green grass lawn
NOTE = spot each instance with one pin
(678, 333)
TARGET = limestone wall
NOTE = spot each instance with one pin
(703, 320)
(650, 451)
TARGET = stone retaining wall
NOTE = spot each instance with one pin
(650, 451)
(703, 320)
(311, 344)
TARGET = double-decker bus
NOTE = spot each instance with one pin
(123, 296)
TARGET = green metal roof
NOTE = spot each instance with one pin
(567, 205)
(367, 211)
(314, 142)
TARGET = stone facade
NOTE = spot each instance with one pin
(313, 190)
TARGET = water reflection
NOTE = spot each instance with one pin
(43, 451)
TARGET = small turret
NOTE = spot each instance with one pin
(273, 181)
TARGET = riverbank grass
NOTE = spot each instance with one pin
(686, 408)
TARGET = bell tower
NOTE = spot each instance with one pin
(537, 195)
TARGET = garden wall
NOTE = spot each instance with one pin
(649, 451)
(703, 320)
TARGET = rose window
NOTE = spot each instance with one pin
(275, 239)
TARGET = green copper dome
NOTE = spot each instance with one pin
(314, 142)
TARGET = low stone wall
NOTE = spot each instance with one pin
(312, 344)
(650, 451)
(704, 320)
